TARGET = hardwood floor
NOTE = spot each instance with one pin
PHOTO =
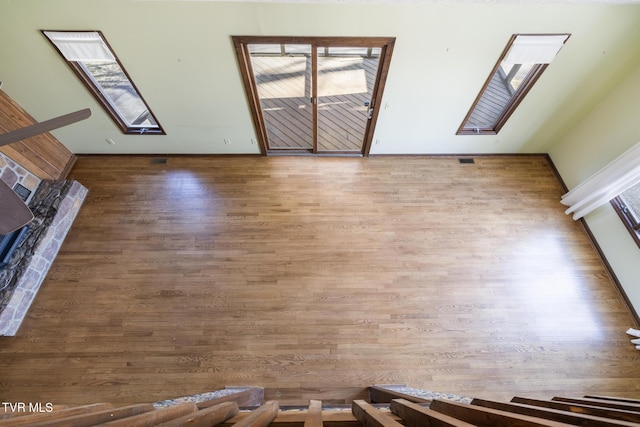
(303, 272)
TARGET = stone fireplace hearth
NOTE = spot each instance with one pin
(55, 204)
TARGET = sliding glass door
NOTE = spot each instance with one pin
(346, 79)
(314, 95)
(282, 75)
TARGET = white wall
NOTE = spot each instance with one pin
(611, 128)
(180, 55)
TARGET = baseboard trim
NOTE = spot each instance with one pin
(460, 155)
(600, 252)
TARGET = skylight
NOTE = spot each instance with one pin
(519, 67)
(91, 58)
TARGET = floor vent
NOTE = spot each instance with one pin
(466, 160)
(159, 161)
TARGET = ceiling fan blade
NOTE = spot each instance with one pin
(45, 126)
(14, 213)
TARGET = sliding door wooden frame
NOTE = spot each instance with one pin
(378, 90)
(251, 90)
(314, 97)
(241, 43)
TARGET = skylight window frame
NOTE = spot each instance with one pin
(520, 93)
(94, 87)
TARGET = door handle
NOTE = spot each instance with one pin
(369, 109)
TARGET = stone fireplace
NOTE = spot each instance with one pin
(55, 204)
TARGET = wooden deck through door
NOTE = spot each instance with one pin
(314, 94)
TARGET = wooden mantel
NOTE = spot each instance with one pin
(42, 155)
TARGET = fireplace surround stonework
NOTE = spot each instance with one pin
(12, 173)
(55, 204)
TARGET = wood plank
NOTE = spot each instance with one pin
(606, 403)
(415, 415)
(330, 396)
(491, 105)
(99, 417)
(615, 399)
(378, 394)
(285, 125)
(288, 125)
(488, 416)
(157, 417)
(370, 416)
(250, 397)
(582, 409)
(42, 155)
(261, 417)
(320, 273)
(27, 419)
(6, 414)
(314, 414)
(559, 415)
(331, 418)
(210, 416)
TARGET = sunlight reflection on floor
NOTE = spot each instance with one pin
(548, 284)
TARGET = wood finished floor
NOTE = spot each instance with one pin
(302, 272)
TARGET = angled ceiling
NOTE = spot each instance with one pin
(180, 55)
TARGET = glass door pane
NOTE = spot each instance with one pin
(283, 78)
(346, 78)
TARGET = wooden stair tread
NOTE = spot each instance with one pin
(607, 403)
(224, 411)
(328, 395)
(553, 414)
(597, 411)
(379, 394)
(155, 417)
(414, 414)
(30, 418)
(368, 415)
(254, 396)
(614, 399)
(260, 417)
(99, 417)
(478, 415)
(209, 416)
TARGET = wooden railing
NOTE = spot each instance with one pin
(246, 408)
